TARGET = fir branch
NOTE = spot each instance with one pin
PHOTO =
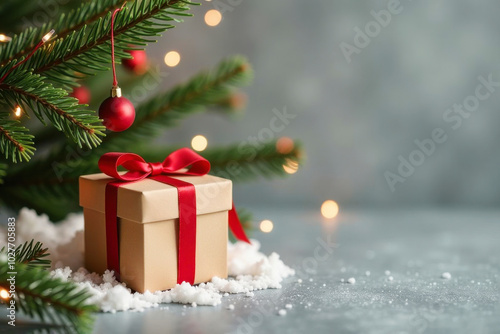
(245, 161)
(233, 103)
(15, 141)
(87, 50)
(56, 201)
(203, 90)
(208, 88)
(33, 255)
(64, 112)
(50, 299)
(86, 14)
(3, 171)
(238, 162)
(51, 187)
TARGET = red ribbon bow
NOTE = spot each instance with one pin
(181, 162)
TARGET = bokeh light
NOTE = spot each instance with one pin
(4, 38)
(172, 58)
(291, 166)
(329, 209)
(4, 294)
(266, 226)
(213, 17)
(17, 111)
(199, 143)
(284, 145)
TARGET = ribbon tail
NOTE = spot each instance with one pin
(236, 227)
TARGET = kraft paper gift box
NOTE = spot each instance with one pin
(148, 228)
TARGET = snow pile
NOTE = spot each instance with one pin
(64, 240)
(250, 269)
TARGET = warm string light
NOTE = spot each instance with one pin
(172, 58)
(17, 111)
(4, 294)
(329, 209)
(45, 38)
(199, 143)
(266, 226)
(48, 35)
(213, 17)
(5, 38)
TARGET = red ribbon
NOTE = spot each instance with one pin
(181, 162)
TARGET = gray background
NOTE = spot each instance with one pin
(356, 118)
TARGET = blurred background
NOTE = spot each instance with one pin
(356, 114)
(395, 102)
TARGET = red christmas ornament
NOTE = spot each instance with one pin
(117, 112)
(138, 64)
(82, 94)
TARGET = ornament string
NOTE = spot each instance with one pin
(44, 39)
(115, 81)
(117, 112)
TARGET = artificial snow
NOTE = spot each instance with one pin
(446, 275)
(249, 269)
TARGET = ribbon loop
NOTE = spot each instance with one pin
(183, 158)
(137, 166)
(181, 162)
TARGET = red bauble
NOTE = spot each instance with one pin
(117, 113)
(82, 94)
(138, 64)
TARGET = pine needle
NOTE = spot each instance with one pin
(51, 300)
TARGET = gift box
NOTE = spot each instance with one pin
(147, 228)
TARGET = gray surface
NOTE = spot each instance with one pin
(416, 246)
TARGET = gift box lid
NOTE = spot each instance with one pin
(150, 201)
